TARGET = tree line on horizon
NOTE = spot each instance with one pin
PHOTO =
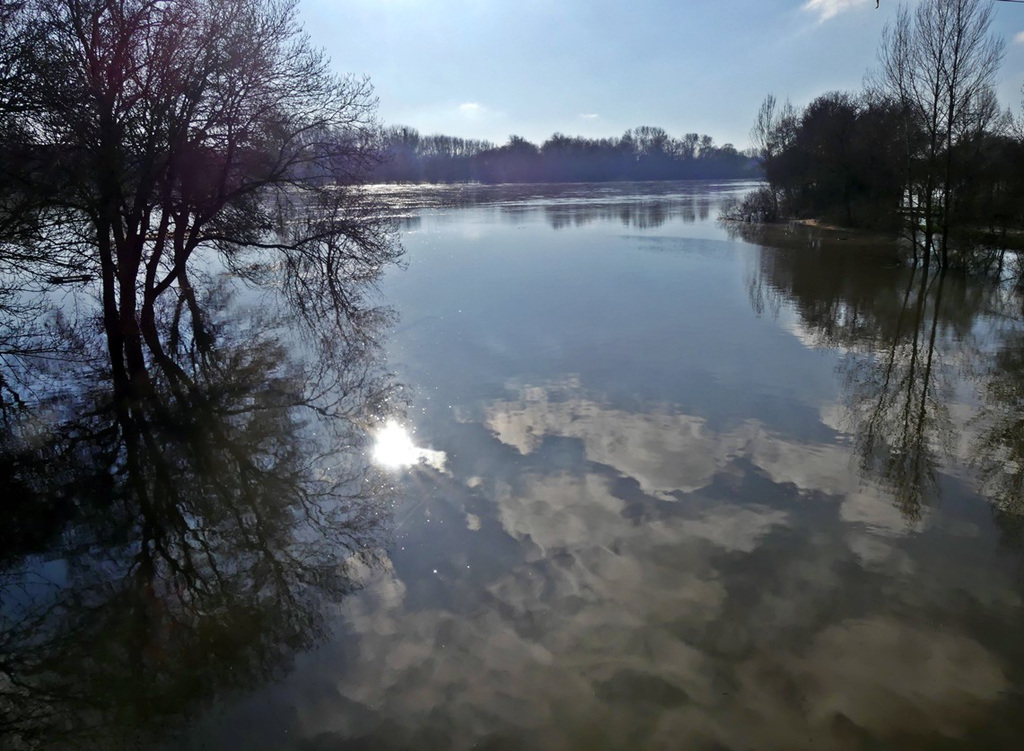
(643, 153)
(925, 149)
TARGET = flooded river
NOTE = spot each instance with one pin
(643, 479)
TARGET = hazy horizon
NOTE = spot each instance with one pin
(487, 69)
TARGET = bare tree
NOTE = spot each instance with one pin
(772, 134)
(151, 129)
(762, 136)
(938, 63)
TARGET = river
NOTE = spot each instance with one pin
(655, 481)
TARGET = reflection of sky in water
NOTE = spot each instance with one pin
(652, 530)
(393, 448)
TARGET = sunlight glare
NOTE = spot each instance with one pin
(394, 449)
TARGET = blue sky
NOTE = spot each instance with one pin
(492, 68)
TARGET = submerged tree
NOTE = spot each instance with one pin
(771, 135)
(158, 550)
(143, 131)
(896, 328)
(939, 65)
(925, 148)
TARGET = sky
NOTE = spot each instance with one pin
(489, 69)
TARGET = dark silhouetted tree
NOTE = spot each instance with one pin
(144, 131)
(938, 63)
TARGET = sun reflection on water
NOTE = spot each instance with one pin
(394, 449)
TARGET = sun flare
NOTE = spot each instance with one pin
(394, 449)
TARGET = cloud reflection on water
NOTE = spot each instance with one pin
(625, 557)
(702, 621)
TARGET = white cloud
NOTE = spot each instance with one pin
(663, 450)
(877, 514)
(826, 9)
(590, 116)
(898, 677)
(1018, 38)
(476, 112)
(623, 630)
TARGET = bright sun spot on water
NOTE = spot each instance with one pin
(394, 449)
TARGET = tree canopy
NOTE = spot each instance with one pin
(925, 148)
(138, 132)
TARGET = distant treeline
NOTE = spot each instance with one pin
(645, 153)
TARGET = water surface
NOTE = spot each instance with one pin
(704, 487)
(674, 484)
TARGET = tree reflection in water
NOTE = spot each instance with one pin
(637, 214)
(898, 398)
(999, 452)
(916, 342)
(155, 552)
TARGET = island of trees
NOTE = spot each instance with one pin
(644, 153)
(925, 149)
